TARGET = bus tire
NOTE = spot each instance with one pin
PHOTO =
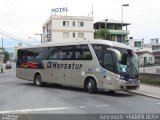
(91, 86)
(111, 92)
(38, 80)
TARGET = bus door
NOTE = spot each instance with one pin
(108, 71)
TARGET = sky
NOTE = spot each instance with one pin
(21, 19)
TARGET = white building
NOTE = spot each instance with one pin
(145, 54)
(58, 28)
(145, 58)
(156, 49)
(155, 41)
(15, 50)
(136, 44)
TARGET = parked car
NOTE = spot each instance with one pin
(8, 65)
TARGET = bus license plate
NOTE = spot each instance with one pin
(132, 80)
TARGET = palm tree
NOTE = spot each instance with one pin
(102, 34)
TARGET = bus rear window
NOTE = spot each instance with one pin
(31, 54)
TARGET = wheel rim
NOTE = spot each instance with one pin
(89, 85)
(37, 81)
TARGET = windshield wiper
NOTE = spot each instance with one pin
(133, 66)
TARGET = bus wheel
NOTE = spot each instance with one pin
(38, 80)
(111, 92)
(91, 86)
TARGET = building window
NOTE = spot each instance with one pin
(80, 24)
(150, 60)
(137, 44)
(66, 35)
(73, 23)
(157, 41)
(65, 23)
(74, 35)
(80, 35)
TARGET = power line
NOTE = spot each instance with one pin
(14, 38)
(34, 40)
(7, 33)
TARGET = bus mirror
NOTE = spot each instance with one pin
(117, 53)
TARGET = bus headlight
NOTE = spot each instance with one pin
(122, 77)
(121, 80)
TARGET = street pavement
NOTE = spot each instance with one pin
(148, 90)
(20, 96)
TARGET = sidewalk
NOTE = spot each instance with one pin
(148, 90)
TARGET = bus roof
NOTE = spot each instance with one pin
(76, 42)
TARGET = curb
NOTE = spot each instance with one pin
(144, 94)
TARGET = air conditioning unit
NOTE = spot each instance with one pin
(48, 35)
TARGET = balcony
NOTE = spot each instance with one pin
(119, 32)
(156, 47)
(157, 50)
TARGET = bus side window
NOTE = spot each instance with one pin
(108, 59)
(29, 54)
(55, 56)
(63, 56)
(25, 56)
(86, 54)
(77, 56)
(38, 53)
(98, 51)
(108, 62)
(82, 52)
(70, 56)
(66, 52)
(53, 53)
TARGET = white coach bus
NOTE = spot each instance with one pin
(92, 65)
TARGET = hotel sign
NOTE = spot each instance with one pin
(63, 9)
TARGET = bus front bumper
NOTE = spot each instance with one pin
(128, 85)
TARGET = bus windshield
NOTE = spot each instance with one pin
(126, 67)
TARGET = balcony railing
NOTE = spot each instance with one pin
(157, 50)
(119, 32)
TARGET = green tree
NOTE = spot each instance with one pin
(6, 56)
(102, 34)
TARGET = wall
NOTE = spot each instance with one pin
(151, 79)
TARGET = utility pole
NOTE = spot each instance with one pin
(2, 48)
(2, 57)
(124, 5)
(106, 28)
(40, 35)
